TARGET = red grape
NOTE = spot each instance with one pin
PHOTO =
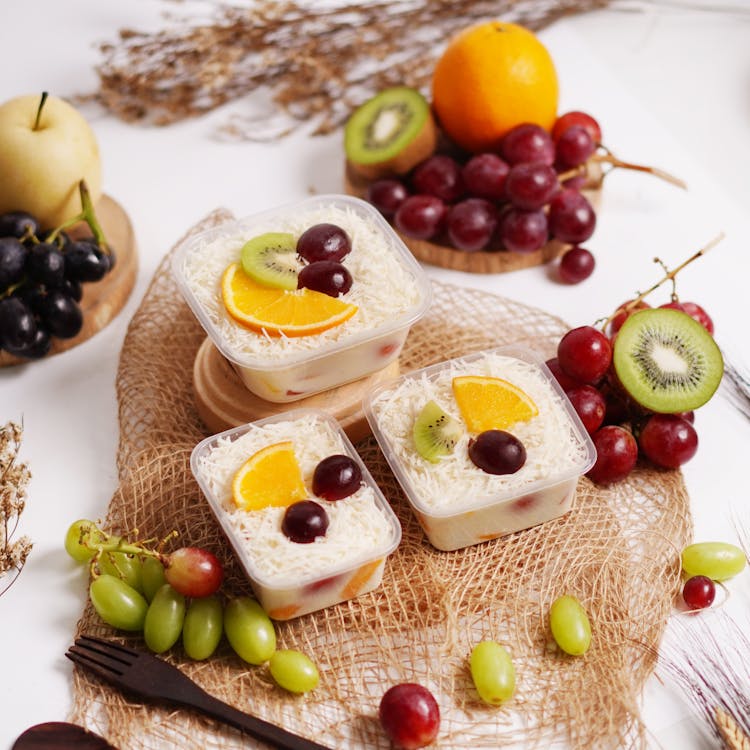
(497, 452)
(577, 118)
(484, 176)
(304, 521)
(573, 147)
(623, 312)
(668, 440)
(531, 185)
(409, 715)
(590, 406)
(616, 454)
(439, 175)
(565, 381)
(571, 217)
(420, 216)
(576, 265)
(699, 592)
(585, 354)
(471, 223)
(695, 311)
(327, 276)
(387, 195)
(193, 572)
(323, 242)
(336, 477)
(523, 231)
(527, 142)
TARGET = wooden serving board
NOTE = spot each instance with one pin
(223, 401)
(482, 261)
(101, 300)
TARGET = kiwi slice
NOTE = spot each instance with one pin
(271, 260)
(435, 432)
(667, 361)
(390, 133)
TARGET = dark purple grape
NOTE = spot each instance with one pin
(387, 195)
(18, 224)
(45, 264)
(36, 349)
(471, 224)
(61, 314)
(523, 231)
(86, 261)
(484, 176)
(574, 146)
(12, 261)
(571, 217)
(576, 265)
(326, 276)
(527, 142)
(73, 288)
(17, 324)
(497, 452)
(531, 185)
(304, 521)
(336, 477)
(440, 176)
(324, 242)
(420, 216)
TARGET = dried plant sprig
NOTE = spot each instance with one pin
(14, 479)
(736, 386)
(317, 62)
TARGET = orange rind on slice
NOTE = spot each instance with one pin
(280, 312)
(269, 478)
(488, 403)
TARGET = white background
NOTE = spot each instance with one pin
(670, 86)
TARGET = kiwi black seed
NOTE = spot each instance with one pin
(435, 432)
(390, 133)
(667, 361)
(271, 260)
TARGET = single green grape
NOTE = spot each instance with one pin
(249, 630)
(570, 625)
(152, 576)
(493, 672)
(122, 565)
(83, 538)
(203, 627)
(718, 561)
(164, 618)
(118, 604)
(293, 671)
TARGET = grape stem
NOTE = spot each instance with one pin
(609, 158)
(668, 276)
(88, 214)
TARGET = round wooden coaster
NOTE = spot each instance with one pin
(483, 261)
(101, 300)
(223, 401)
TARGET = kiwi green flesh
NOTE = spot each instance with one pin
(385, 125)
(271, 260)
(435, 432)
(666, 361)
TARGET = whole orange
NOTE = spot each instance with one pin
(492, 77)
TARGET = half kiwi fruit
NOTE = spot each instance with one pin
(435, 432)
(271, 260)
(390, 133)
(667, 361)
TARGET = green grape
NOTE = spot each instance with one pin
(122, 565)
(249, 630)
(493, 673)
(118, 604)
(152, 576)
(570, 625)
(293, 671)
(203, 626)
(83, 538)
(718, 561)
(164, 618)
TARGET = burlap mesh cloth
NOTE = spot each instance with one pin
(617, 551)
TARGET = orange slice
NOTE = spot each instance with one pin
(270, 477)
(491, 403)
(277, 312)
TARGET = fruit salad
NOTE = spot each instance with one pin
(304, 297)
(483, 446)
(307, 521)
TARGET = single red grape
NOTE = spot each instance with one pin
(699, 592)
(497, 452)
(323, 242)
(409, 715)
(327, 276)
(527, 142)
(336, 477)
(387, 195)
(623, 312)
(577, 118)
(590, 406)
(304, 521)
(420, 216)
(471, 224)
(571, 217)
(573, 147)
(668, 440)
(439, 175)
(585, 354)
(193, 571)
(565, 381)
(695, 311)
(576, 265)
(484, 176)
(531, 185)
(616, 454)
(523, 231)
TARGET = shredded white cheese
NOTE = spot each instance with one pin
(554, 449)
(384, 289)
(358, 530)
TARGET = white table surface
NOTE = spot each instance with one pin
(670, 87)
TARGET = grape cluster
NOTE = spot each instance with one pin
(41, 278)
(516, 200)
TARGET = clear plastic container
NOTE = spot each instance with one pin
(451, 510)
(288, 369)
(292, 579)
